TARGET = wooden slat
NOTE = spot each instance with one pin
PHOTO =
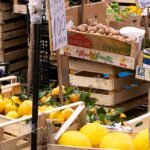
(144, 119)
(84, 65)
(5, 6)
(12, 25)
(131, 93)
(119, 97)
(6, 15)
(13, 42)
(124, 1)
(12, 34)
(11, 56)
(61, 147)
(18, 65)
(19, 8)
(96, 83)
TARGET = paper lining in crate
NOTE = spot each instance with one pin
(9, 139)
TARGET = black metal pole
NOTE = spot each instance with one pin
(35, 80)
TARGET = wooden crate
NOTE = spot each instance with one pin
(5, 5)
(110, 90)
(11, 88)
(143, 121)
(130, 2)
(24, 136)
(19, 8)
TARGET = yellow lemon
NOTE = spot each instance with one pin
(74, 138)
(43, 99)
(48, 108)
(74, 97)
(55, 91)
(95, 133)
(57, 117)
(25, 108)
(12, 114)
(1, 97)
(42, 108)
(141, 141)
(10, 107)
(7, 100)
(67, 112)
(16, 100)
(117, 140)
(2, 106)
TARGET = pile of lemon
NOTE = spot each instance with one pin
(97, 136)
(14, 108)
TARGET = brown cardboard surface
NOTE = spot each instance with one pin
(91, 10)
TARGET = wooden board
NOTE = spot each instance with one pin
(20, 23)
(6, 15)
(18, 65)
(5, 6)
(124, 1)
(13, 55)
(101, 43)
(13, 34)
(100, 56)
(120, 96)
(19, 8)
(143, 119)
(98, 10)
(13, 42)
(100, 82)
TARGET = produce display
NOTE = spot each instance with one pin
(102, 30)
(121, 14)
(98, 136)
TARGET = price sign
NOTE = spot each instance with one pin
(143, 3)
(58, 24)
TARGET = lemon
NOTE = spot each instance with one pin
(67, 113)
(7, 100)
(74, 97)
(25, 108)
(10, 107)
(74, 138)
(55, 91)
(95, 132)
(43, 99)
(42, 108)
(12, 114)
(2, 106)
(117, 140)
(48, 108)
(57, 117)
(16, 100)
(1, 97)
(141, 141)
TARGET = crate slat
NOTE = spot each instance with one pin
(13, 42)
(5, 6)
(20, 23)
(12, 34)
(13, 55)
(18, 65)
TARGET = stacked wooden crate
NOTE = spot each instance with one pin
(13, 38)
(107, 84)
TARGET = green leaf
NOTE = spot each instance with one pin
(82, 96)
(41, 94)
(69, 90)
(101, 110)
(139, 124)
(102, 117)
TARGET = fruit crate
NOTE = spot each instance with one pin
(11, 136)
(139, 123)
(9, 86)
(107, 83)
(53, 142)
